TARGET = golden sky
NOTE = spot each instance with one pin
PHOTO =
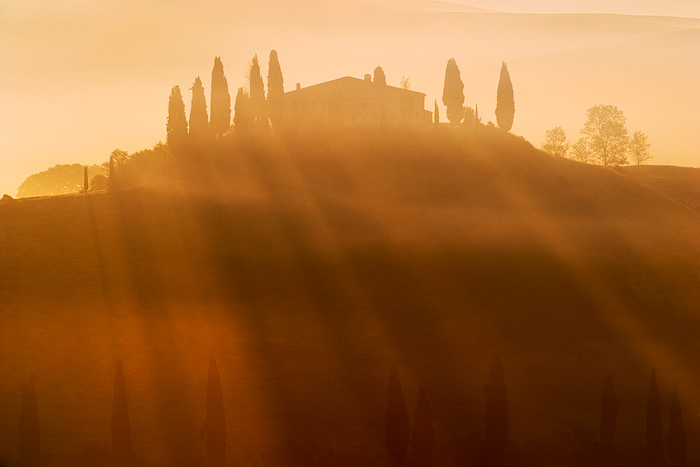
(81, 78)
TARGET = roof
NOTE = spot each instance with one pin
(348, 87)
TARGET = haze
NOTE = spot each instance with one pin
(80, 79)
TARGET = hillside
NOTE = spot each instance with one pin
(309, 268)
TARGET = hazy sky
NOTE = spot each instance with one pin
(81, 78)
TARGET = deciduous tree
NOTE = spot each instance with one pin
(453, 92)
(505, 104)
(555, 142)
(580, 152)
(639, 148)
(606, 134)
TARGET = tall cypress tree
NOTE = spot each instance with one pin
(199, 121)
(220, 99)
(275, 89)
(120, 426)
(423, 438)
(397, 426)
(242, 117)
(257, 92)
(677, 447)
(176, 127)
(215, 424)
(436, 115)
(29, 436)
(379, 76)
(505, 105)
(453, 92)
(608, 416)
(496, 413)
(655, 440)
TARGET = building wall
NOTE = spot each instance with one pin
(303, 113)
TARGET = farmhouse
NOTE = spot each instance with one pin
(354, 103)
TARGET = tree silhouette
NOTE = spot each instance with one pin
(453, 92)
(257, 92)
(29, 437)
(639, 148)
(677, 447)
(176, 126)
(580, 152)
(57, 180)
(379, 76)
(243, 117)
(120, 427)
(606, 134)
(275, 89)
(608, 416)
(85, 179)
(220, 119)
(423, 438)
(496, 414)
(655, 441)
(555, 142)
(436, 115)
(215, 424)
(505, 105)
(199, 121)
(397, 426)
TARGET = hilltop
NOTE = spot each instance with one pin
(308, 267)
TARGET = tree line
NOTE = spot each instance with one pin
(410, 445)
(604, 140)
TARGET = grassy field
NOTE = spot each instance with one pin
(308, 268)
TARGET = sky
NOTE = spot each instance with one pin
(82, 78)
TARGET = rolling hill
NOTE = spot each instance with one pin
(309, 267)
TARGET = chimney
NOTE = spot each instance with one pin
(368, 77)
(298, 86)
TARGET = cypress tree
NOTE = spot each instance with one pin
(505, 105)
(436, 115)
(199, 121)
(608, 416)
(397, 426)
(453, 92)
(120, 426)
(677, 447)
(220, 99)
(423, 439)
(85, 179)
(655, 441)
(496, 413)
(112, 181)
(275, 89)
(257, 92)
(242, 117)
(176, 127)
(379, 76)
(215, 424)
(29, 437)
